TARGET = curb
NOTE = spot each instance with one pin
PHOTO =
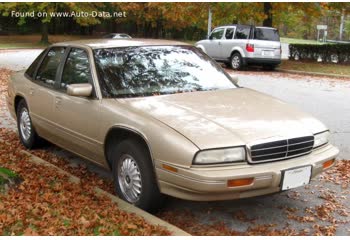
(313, 73)
(127, 207)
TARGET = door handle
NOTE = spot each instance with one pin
(219, 43)
(58, 101)
(31, 91)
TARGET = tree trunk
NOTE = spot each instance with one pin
(268, 12)
(44, 33)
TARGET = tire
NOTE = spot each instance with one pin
(236, 61)
(133, 174)
(27, 134)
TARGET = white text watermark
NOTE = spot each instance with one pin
(75, 14)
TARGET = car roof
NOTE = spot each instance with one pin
(123, 42)
(246, 25)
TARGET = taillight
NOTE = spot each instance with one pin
(249, 47)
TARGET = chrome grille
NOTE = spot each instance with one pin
(282, 149)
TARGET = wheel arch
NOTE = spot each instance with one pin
(118, 133)
(237, 50)
(16, 101)
(201, 47)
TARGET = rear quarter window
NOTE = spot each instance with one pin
(31, 70)
(242, 32)
(267, 34)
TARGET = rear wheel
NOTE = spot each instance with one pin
(27, 134)
(236, 61)
(133, 174)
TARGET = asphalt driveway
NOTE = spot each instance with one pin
(321, 208)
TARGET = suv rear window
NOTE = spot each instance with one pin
(268, 34)
(242, 32)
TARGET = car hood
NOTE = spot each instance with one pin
(223, 118)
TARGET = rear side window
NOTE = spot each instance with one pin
(242, 32)
(48, 68)
(31, 70)
(268, 34)
(229, 33)
(76, 69)
(217, 33)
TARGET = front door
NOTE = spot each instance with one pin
(213, 46)
(78, 117)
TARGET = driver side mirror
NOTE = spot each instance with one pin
(210, 37)
(79, 90)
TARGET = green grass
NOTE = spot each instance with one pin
(315, 67)
(7, 172)
(298, 41)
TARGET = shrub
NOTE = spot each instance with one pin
(338, 53)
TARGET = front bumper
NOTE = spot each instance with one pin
(210, 183)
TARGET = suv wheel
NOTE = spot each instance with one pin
(236, 61)
(133, 174)
(27, 134)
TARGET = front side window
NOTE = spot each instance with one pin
(242, 32)
(48, 68)
(217, 33)
(157, 70)
(76, 68)
(229, 33)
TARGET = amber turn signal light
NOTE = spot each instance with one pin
(328, 163)
(240, 182)
(169, 168)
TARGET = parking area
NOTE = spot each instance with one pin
(322, 208)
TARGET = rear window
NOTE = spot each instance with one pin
(267, 34)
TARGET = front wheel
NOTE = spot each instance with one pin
(236, 61)
(133, 174)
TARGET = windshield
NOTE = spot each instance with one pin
(157, 70)
(268, 34)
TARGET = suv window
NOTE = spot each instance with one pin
(229, 33)
(48, 68)
(76, 69)
(217, 33)
(242, 32)
(268, 34)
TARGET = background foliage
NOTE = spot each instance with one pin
(185, 20)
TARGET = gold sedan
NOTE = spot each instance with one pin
(166, 119)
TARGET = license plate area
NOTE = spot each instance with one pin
(296, 177)
(268, 53)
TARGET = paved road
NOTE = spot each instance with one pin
(327, 99)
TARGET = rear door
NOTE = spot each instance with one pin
(227, 43)
(266, 43)
(41, 97)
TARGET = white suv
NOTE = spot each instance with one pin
(240, 45)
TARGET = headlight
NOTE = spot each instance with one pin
(321, 139)
(226, 155)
